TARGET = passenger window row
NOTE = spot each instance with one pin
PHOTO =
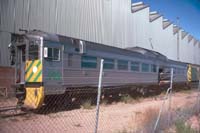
(91, 62)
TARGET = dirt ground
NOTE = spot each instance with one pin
(115, 117)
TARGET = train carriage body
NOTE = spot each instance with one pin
(49, 64)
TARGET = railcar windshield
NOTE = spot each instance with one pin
(33, 50)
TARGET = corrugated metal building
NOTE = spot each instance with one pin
(116, 23)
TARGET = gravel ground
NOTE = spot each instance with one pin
(115, 117)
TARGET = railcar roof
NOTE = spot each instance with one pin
(138, 51)
(148, 52)
(177, 62)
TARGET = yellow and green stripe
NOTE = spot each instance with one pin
(189, 73)
(33, 71)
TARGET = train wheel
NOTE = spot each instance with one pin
(34, 97)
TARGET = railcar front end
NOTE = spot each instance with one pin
(27, 57)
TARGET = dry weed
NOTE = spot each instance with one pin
(87, 104)
(143, 121)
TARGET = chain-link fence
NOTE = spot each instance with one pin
(114, 112)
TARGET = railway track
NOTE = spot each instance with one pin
(11, 111)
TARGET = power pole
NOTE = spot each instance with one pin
(178, 47)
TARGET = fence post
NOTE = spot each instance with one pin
(166, 97)
(170, 95)
(99, 95)
(198, 95)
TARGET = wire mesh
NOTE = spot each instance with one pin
(56, 116)
(124, 109)
(119, 112)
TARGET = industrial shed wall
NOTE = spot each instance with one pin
(110, 22)
(156, 27)
(186, 49)
(4, 54)
(196, 53)
(163, 39)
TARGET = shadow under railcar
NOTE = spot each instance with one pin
(71, 101)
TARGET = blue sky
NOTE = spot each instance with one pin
(188, 12)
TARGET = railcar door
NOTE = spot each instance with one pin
(53, 67)
(20, 65)
(34, 62)
(163, 75)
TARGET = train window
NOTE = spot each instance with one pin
(145, 67)
(88, 62)
(50, 53)
(122, 65)
(70, 56)
(53, 54)
(33, 51)
(56, 54)
(108, 63)
(153, 68)
(135, 66)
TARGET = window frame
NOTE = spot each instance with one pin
(152, 68)
(109, 61)
(53, 57)
(124, 61)
(134, 63)
(142, 70)
(88, 61)
(35, 44)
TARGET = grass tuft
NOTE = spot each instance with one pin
(104, 101)
(181, 127)
(123, 131)
(126, 98)
(87, 104)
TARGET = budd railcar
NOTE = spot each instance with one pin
(49, 64)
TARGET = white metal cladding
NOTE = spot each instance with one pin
(163, 39)
(105, 21)
(109, 22)
(184, 49)
(156, 27)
